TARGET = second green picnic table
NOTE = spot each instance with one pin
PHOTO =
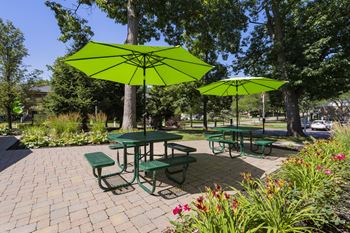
(237, 134)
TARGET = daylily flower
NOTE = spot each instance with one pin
(234, 203)
(186, 208)
(327, 172)
(319, 167)
(177, 210)
(339, 157)
(200, 199)
(227, 196)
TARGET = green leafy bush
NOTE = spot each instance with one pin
(62, 130)
(305, 195)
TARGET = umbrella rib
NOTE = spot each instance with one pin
(133, 75)
(219, 84)
(263, 85)
(160, 76)
(116, 46)
(109, 68)
(89, 58)
(179, 70)
(245, 89)
(189, 62)
(230, 85)
(161, 50)
(148, 59)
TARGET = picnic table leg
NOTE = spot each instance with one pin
(166, 149)
(241, 145)
(251, 139)
(151, 151)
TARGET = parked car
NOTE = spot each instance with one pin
(321, 125)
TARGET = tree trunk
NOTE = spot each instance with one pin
(205, 107)
(9, 117)
(129, 114)
(191, 121)
(292, 113)
(276, 28)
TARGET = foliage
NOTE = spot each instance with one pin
(264, 207)
(341, 134)
(304, 42)
(12, 52)
(98, 122)
(64, 130)
(31, 140)
(65, 123)
(210, 30)
(4, 131)
(305, 195)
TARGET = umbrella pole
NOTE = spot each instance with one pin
(144, 102)
(237, 116)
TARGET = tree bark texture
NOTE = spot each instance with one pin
(205, 114)
(292, 113)
(275, 25)
(129, 113)
(9, 117)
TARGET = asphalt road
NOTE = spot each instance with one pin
(309, 132)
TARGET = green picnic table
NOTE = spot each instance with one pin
(139, 139)
(237, 134)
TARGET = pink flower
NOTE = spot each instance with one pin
(327, 172)
(339, 157)
(186, 208)
(319, 167)
(177, 210)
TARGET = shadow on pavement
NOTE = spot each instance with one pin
(10, 157)
(207, 171)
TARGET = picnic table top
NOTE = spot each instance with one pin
(233, 128)
(137, 138)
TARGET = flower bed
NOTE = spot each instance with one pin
(310, 193)
(65, 130)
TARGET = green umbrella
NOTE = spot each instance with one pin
(138, 64)
(240, 86)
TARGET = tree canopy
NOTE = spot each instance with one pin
(303, 42)
(12, 52)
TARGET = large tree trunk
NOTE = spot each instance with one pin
(129, 114)
(276, 28)
(205, 114)
(9, 117)
(292, 113)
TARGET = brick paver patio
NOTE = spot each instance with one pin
(53, 190)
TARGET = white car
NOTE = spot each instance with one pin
(321, 125)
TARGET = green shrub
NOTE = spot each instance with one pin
(64, 123)
(263, 207)
(98, 122)
(67, 139)
(305, 195)
(341, 134)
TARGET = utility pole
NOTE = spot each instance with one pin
(263, 111)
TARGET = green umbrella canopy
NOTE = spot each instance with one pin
(132, 64)
(241, 86)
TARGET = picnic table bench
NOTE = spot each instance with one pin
(166, 163)
(261, 145)
(222, 141)
(182, 148)
(97, 161)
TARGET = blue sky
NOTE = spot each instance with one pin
(41, 32)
